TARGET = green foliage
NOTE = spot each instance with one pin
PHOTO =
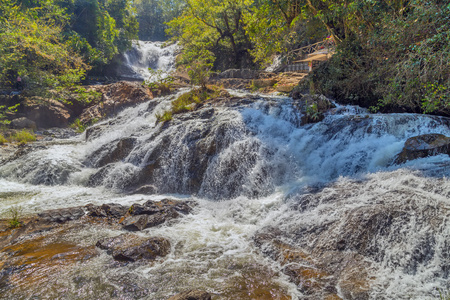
(22, 137)
(80, 126)
(164, 117)
(33, 47)
(199, 69)
(188, 102)
(4, 111)
(213, 29)
(393, 56)
(152, 16)
(14, 214)
(312, 112)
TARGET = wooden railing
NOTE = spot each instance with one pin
(301, 53)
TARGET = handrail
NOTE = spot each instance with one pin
(300, 52)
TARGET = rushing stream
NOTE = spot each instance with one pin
(249, 166)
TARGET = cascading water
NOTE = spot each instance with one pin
(154, 55)
(329, 189)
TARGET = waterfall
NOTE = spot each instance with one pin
(154, 55)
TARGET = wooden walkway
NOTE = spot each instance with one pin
(305, 58)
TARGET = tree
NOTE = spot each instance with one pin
(217, 27)
(153, 15)
(34, 47)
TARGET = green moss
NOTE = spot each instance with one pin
(189, 101)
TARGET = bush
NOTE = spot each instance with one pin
(14, 213)
(161, 82)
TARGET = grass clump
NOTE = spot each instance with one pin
(189, 101)
(22, 137)
(3, 140)
(14, 214)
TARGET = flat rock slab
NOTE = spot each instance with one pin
(131, 247)
(62, 215)
(192, 295)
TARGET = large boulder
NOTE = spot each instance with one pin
(23, 123)
(131, 247)
(46, 113)
(423, 146)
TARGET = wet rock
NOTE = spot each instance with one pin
(63, 214)
(153, 213)
(192, 295)
(130, 247)
(317, 274)
(110, 210)
(145, 189)
(112, 152)
(423, 146)
(135, 223)
(23, 123)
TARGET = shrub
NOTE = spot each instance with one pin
(161, 82)
(14, 214)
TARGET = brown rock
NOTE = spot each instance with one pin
(130, 247)
(192, 295)
(116, 97)
(424, 146)
(110, 210)
(135, 223)
(46, 112)
(153, 213)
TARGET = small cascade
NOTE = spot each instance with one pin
(154, 55)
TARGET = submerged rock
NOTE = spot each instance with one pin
(131, 247)
(423, 146)
(192, 295)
